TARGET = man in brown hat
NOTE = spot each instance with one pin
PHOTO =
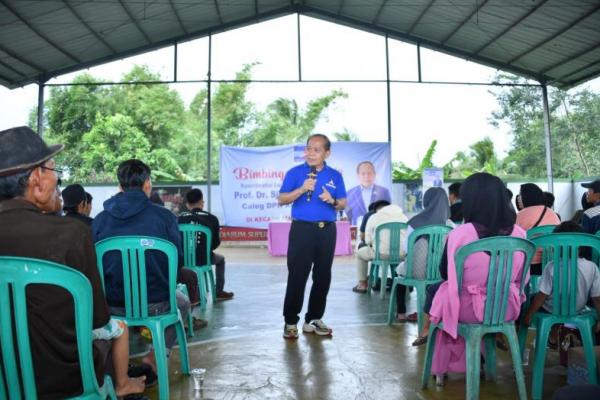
(28, 180)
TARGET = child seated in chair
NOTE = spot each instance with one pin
(588, 285)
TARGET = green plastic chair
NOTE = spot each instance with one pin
(534, 280)
(206, 278)
(182, 287)
(436, 237)
(381, 265)
(17, 273)
(501, 250)
(563, 249)
(133, 249)
(596, 254)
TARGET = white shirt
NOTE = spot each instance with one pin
(588, 283)
(366, 194)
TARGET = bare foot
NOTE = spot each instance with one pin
(131, 385)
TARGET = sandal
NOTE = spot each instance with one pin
(135, 371)
(421, 340)
(358, 289)
(412, 317)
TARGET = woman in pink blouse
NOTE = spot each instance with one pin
(535, 213)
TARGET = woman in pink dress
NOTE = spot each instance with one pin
(487, 212)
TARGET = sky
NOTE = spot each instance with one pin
(455, 115)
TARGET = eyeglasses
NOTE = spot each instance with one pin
(57, 171)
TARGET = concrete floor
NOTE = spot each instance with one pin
(246, 358)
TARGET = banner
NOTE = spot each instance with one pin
(251, 178)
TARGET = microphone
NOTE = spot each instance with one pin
(313, 173)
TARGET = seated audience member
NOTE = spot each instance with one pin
(75, 203)
(187, 277)
(363, 224)
(88, 206)
(509, 194)
(28, 182)
(383, 215)
(130, 212)
(535, 213)
(578, 392)
(435, 212)
(155, 198)
(518, 202)
(487, 213)
(550, 201)
(456, 214)
(578, 216)
(590, 221)
(196, 215)
(588, 284)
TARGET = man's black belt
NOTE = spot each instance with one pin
(320, 224)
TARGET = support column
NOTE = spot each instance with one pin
(389, 100)
(40, 109)
(299, 48)
(548, 138)
(209, 126)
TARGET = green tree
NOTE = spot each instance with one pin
(401, 171)
(155, 109)
(285, 122)
(72, 111)
(574, 126)
(114, 139)
(169, 137)
(481, 157)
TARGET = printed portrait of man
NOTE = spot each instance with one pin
(366, 192)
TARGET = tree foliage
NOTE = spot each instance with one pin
(401, 171)
(574, 123)
(102, 125)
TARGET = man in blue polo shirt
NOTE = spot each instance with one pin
(316, 192)
(591, 217)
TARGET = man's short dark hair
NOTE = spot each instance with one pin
(14, 185)
(568, 226)
(378, 204)
(455, 189)
(194, 196)
(549, 199)
(363, 163)
(574, 227)
(132, 174)
(88, 198)
(327, 144)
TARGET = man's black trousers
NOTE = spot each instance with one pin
(310, 246)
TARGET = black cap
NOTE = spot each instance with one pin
(22, 149)
(73, 195)
(595, 185)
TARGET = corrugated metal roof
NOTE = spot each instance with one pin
(552, 41)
